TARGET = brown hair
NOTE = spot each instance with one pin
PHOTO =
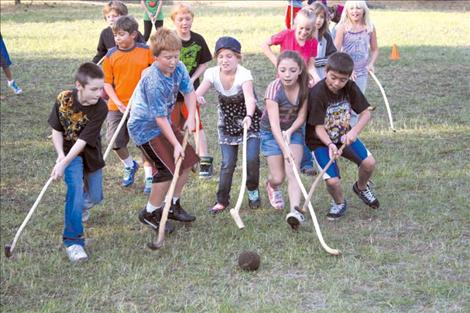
(180, 8)
(88, 71)
(126, 23)
(115, 5)
(319, 8)
(340, 62)
(303, 77)
(164, 39)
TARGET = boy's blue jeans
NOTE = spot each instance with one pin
(229, 162)
(84, 190)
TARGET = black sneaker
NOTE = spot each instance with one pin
(254, 200)
(153, 220)
(337, 210)
(367, 196)
(177, 213)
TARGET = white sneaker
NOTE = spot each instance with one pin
(76, 253)
(294, 219)
(85, 215)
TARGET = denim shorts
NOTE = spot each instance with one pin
(270, 147)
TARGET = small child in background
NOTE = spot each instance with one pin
(153, 15)
(195, 55)
(326, 46)
(356, 35)
(335, 12)
(5, 63)
(284, 115)
(150, 127)
(293, 7)
(111, 12)
(330, 104)
(123, 66)
(237, 107)
(76, 121)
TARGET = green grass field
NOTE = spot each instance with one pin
(412, 255)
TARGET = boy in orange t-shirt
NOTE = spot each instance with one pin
(123, 66)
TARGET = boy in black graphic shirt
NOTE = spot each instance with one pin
(329, 111)
(76, 121)
(195, 55)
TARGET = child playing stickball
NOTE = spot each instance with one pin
(150, 126)
(328, 126)
(76, 121)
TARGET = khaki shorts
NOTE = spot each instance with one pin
(112, 121)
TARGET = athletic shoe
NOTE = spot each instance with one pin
(153, 220)
(148, 185)
(177, 213)
(367, 196)
(275, 196)
(129, 173)
(76, 253)
(14, 86)
(337, 210)
(295, 218)
(85, 215)
(254, 200)
(205, 168)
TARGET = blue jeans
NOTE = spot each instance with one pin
(361, 82)
(84, 190)
(229, 161)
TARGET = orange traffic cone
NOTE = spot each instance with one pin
(395, 55)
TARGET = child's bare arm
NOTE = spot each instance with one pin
(160, 3)
(58, 141)
(339, 37)
(374, 49)
(323, 136)
(198, 72)
(142, 4)
(59, 168)
(201, 91)
(113, 96)
(250, 101)
(266, 48)
(190, 100)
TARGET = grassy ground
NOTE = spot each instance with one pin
(412, 255)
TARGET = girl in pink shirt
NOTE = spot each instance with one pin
(300, 39)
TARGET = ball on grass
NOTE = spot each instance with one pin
(249, 260)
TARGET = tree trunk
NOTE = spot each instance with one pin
(17, 2)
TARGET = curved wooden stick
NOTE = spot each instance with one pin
(169, 196)
(310, 207)
(196, 136)
(235, 211)
(9, 248)
(387, 105)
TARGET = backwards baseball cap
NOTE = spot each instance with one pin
(227, 42)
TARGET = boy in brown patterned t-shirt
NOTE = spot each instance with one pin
(76, 121)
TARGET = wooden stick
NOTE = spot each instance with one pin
(9, 248)
(235, 211)
(116, 132)
(310, 207)
(387, 105)
(169, 196)
(196, 136)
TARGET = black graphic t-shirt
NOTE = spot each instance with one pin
(194, 53)
(76, 121)
(333, 111)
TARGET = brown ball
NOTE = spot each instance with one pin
(249, 261)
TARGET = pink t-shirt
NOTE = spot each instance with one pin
(286, 39)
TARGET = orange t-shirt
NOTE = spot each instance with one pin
(122, 69)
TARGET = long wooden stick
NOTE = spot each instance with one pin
(310, 207)
(9, 248)
(169, 196)
(235, 211)
(387, 105)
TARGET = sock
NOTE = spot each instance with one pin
(148, 171)
(129, 162)
(10, 82)
(150, 207)
(175, 199)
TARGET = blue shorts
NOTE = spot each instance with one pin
(270, 147)
(355, 152)
(5, 61)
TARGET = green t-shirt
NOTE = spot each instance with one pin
(152, 6)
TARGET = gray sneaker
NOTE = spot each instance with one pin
(367, 196)
(337, 210)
